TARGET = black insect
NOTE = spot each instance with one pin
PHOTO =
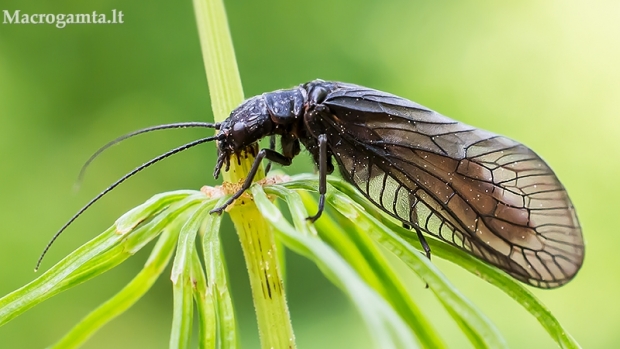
(484, 193)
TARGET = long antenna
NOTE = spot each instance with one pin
(135, 133)
(121, 180)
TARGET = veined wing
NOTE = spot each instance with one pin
(484, 193)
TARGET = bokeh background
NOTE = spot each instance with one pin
(545, 73)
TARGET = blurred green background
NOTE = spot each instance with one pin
(545, 73)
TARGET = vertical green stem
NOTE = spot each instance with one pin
(255, 235)
(219, 57)
(267, 286)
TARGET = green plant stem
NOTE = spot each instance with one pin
(219, 57)
(256, 236)
(261, 259)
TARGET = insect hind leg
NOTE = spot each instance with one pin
(421, 238)
(271, 155)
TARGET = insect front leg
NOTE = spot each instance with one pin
(272, 146)
(271, 155)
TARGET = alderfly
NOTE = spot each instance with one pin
(484, 193)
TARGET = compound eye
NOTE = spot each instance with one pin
(239, 134)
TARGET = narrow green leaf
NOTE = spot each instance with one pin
(89, 260)
(481, 332)
(182, 314)
(151, 207)
(127, 296)
(360, 252)
(133, 243)
(182, 283)
(443, 250)
(385, 326)
(205, 306)
(474, 324)
(217, 288)
(36, 291)
(479, 268)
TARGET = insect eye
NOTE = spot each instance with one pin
(239, 133)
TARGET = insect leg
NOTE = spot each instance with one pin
(323, 161)
(422, 239)
(272, 146)
(271, 155)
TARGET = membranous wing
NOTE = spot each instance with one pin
(484, 193)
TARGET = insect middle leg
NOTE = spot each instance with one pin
(271, 155)
(323, 164)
